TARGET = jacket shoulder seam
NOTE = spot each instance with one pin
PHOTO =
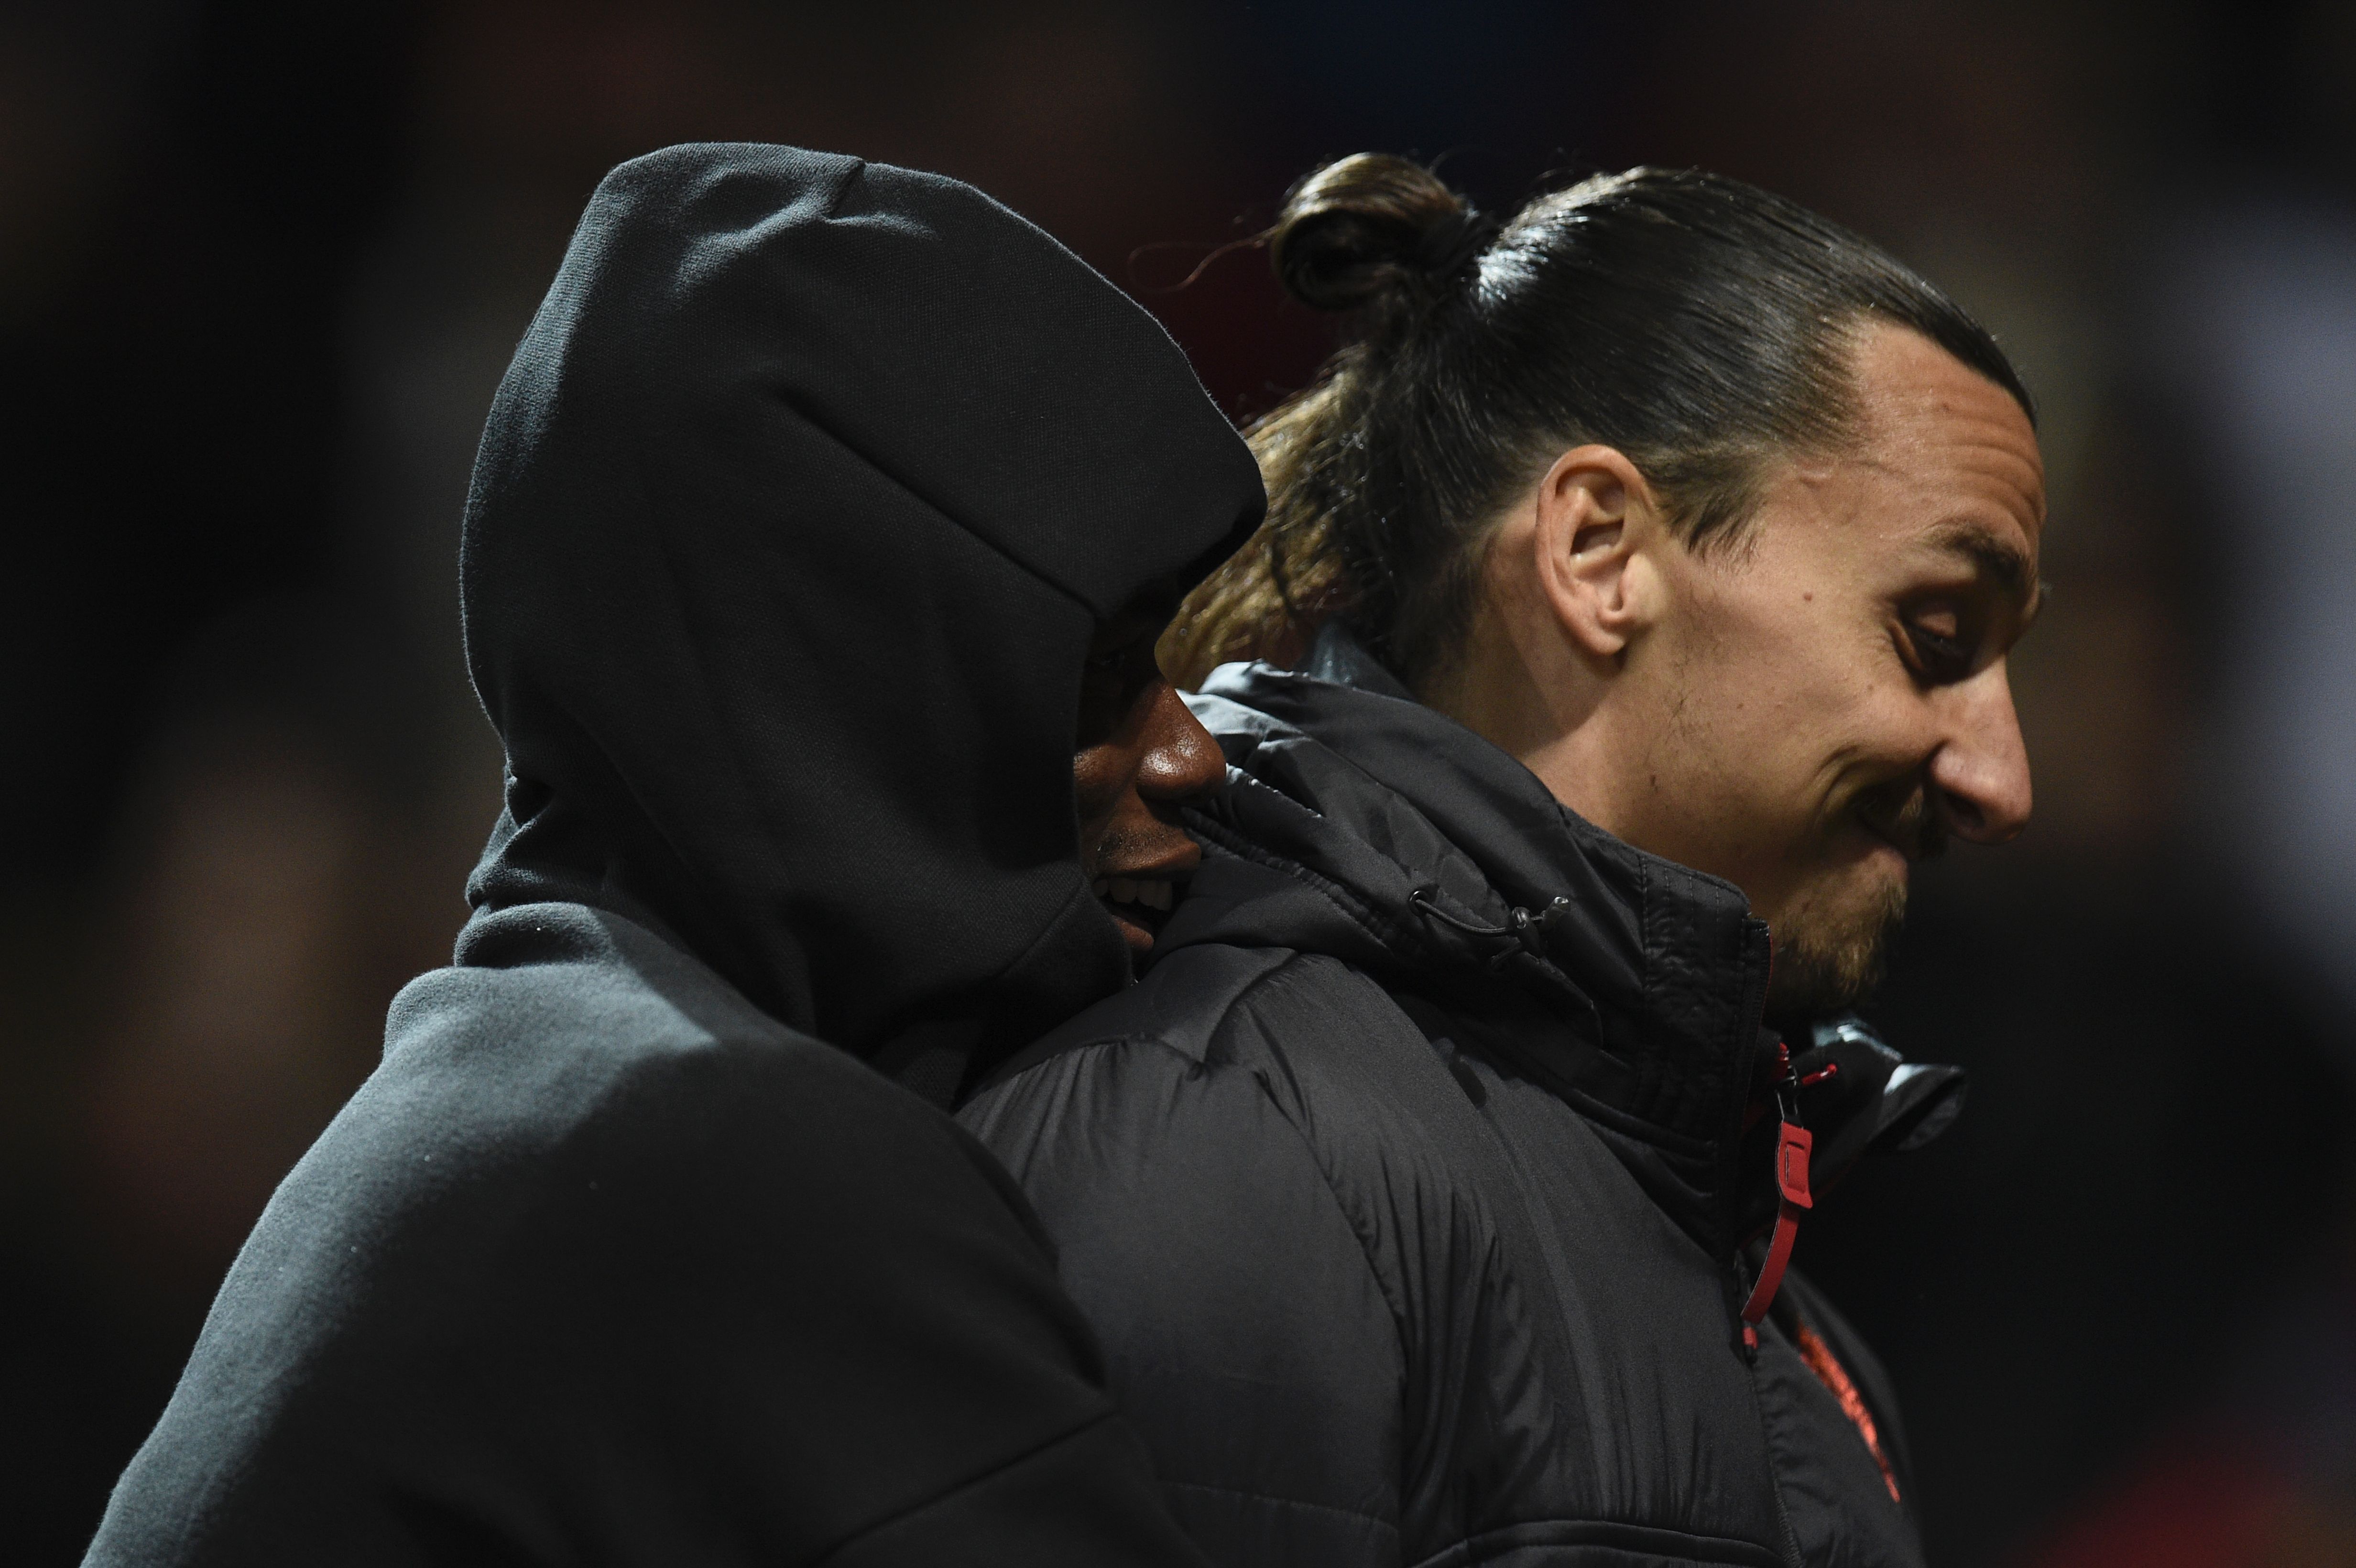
(1391, 1297)
(1377, 1520)
(1237, 1003)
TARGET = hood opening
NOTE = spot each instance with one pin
(791, 523)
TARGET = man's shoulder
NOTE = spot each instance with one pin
(564, 1021)
(584, 992)
(593, 1081)
(1233, 1056)
(584, 1203)
(550, 1147)
(1215, 1006)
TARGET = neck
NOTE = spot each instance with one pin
(1529, 698)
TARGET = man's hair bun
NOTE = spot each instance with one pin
(1370, 229)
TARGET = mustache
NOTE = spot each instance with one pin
(1902, 811)
(1125, 846)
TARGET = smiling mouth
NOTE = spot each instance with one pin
(1907, 825)
(1139, 904)
(1913, 848)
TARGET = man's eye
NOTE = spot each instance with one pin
(1939, 654)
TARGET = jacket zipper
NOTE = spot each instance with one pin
(1761, 1290)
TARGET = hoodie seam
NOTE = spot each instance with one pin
(809, 416)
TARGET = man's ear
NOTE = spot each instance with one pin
(1597, 520)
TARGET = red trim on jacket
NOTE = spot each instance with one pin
(1830, 1372)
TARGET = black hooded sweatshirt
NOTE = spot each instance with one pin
(792, 522)
(1410, 1190)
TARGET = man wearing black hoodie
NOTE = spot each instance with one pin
(819, 502)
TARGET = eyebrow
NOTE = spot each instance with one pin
(1996, 557)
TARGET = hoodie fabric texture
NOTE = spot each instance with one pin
(791, 525)
(1415, 1191)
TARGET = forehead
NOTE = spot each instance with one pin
(1957, 444)
(1944, 478)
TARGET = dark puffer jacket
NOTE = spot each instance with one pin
(1418, 1231)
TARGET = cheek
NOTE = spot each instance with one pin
(1750, 698)
(1100, 777)
(1781, 716)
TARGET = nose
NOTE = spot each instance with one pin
(1979, 777)
(1180, 759)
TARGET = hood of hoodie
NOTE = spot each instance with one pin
(1358, 823)
(791, 524)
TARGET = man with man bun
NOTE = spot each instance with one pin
(1632, 612)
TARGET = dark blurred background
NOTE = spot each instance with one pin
(261, 265)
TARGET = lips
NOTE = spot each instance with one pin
(1139, 904)
(1900, 816)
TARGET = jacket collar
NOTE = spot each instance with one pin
(1360, 823)
(1437, 838)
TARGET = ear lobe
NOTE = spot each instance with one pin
(1590, 509)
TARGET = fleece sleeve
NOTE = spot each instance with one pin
(739, 1306)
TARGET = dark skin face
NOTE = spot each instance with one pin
(1141, 754)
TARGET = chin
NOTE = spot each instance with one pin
(1831, 946)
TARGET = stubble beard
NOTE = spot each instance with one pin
(1830, 955)
(1827, 961)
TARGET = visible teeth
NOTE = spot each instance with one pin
(1153, 892)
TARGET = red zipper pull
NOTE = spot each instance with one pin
(1794, 1145)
